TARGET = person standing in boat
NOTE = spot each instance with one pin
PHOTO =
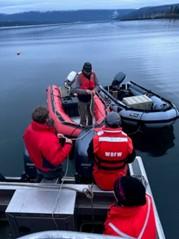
(43, 146)
(84, 86)
(112, 150)
(133, 214)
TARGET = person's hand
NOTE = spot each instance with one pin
(60, 135)
(68, 141)
(63, 140)
(93, 92)
(88, 92)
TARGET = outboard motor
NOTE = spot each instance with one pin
(70, 79)
(83, 163)
(118, 79)
(116, 89)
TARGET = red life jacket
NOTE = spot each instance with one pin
(111, 148)
(132, 222)
(87, 84)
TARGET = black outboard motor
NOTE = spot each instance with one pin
(119, 90)
(118, 79)
(83, 163)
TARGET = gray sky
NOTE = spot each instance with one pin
(13, 6)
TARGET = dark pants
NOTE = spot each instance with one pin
(86, 112)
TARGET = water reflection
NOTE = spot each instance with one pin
(155, 142)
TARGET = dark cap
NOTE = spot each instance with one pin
(87, 67)
(113, 119)
(129, 191)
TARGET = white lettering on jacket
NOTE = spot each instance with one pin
(113, 154)
(113, 139)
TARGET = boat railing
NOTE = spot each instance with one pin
(134, 168)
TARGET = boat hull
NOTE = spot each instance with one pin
(149, 120)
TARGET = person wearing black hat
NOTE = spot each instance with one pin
(112, 150)
(133, 215)
(85, 84)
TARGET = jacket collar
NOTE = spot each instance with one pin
(42, 127)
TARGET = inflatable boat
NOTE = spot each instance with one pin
(63, 109)
(138, 105)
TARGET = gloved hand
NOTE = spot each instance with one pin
(63, 139)
(91, 92)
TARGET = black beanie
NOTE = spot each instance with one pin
(133, 191)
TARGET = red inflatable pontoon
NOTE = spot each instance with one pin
(63, 109)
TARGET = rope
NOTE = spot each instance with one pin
(58, 195)
(91, 110)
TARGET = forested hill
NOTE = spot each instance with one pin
(52, 17)
(159, 12)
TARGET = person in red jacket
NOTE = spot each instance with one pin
(84, 87)
(133, 215)
(43, 146)
(112, 150)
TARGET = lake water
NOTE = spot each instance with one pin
(147, 51)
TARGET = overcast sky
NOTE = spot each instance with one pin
(13, 6)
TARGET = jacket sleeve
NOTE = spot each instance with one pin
(107, 229)
(54, 152)
(132, 153)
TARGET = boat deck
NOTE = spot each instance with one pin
(31, 207)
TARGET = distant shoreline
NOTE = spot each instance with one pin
(4, 27)
(170, 11)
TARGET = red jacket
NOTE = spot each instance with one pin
(111, 150)
(43, 146)
(87, 84)
(132, 222)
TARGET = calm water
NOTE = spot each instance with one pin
(148, 52)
